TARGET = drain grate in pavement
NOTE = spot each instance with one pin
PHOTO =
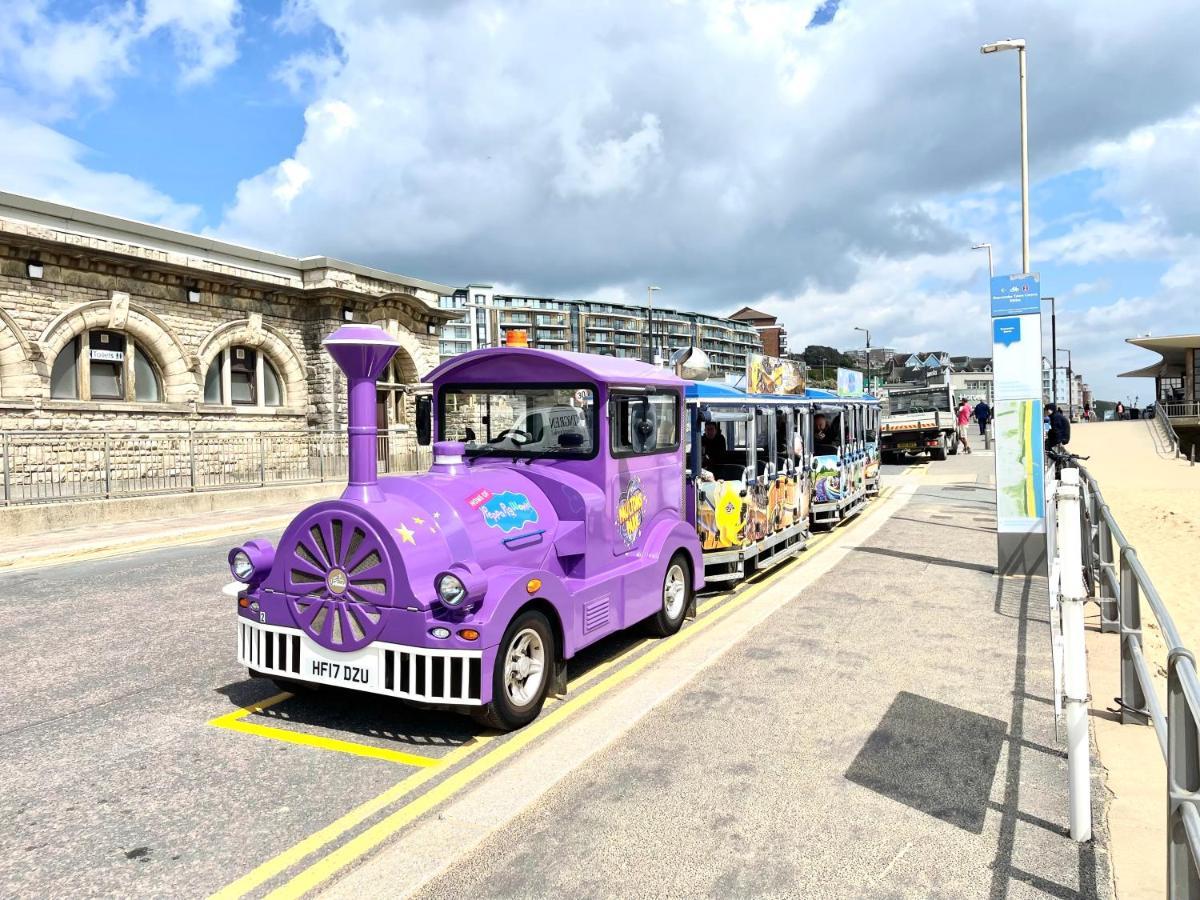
(937, 759)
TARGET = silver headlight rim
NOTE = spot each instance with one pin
(461, 594)
(241, 556)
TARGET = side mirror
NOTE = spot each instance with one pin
(424, 420)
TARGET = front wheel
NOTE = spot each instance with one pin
(521, 675)
(676, 597)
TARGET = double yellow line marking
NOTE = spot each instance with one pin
(236, 721)
(328, 866)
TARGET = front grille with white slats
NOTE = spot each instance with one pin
(412, 673)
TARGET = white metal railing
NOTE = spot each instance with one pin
(1180, 410)
(50, 466)
(1115, 578)
(1068, 596)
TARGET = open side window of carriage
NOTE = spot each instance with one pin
(643, 422)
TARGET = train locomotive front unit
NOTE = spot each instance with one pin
(553, 515)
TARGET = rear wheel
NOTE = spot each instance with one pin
(676, 597)
(521, 675)
(939, 453)
(953, 439)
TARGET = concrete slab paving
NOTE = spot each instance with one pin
(886, 733)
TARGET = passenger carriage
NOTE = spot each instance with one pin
(568, 499)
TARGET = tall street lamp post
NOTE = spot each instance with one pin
(650, 289)
(1018, 44)
(1053, 351)
(867, 332)
(988, 247)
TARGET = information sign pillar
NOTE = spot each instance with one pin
(1018, 424)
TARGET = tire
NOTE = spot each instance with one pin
(294, 687)
(939, 454)
(953, 444)
(515, 701)
(676, 597)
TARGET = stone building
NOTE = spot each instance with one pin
(107, 323)
(136, 359)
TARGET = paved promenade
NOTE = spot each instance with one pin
(887, 732)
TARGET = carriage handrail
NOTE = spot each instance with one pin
(1120, 581)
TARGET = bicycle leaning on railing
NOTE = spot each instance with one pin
(1114, 577)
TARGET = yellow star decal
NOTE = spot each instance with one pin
(406, 535)
(417, 520)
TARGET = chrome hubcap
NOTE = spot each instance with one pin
(524, 667)
(674, 592)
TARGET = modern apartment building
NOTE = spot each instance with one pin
(587, 326)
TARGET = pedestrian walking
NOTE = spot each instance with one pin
(1120, 410)
(964, 418)
(983, 415)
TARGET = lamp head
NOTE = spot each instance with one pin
(1008, 44)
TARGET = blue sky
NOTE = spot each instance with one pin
(791, 155)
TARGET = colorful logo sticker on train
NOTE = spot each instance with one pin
(507, 510)
(630, 509)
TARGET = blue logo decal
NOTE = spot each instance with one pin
(508, 511)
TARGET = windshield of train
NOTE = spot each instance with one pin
(932, 400)
(524, 421)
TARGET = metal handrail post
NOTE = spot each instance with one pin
(1110, 609)
(107, 470)
(192, 456)
(1133, 699)
(262, 461)
(1183, 775)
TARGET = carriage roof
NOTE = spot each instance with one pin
(510, 365)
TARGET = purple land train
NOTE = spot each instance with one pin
(471, 585)
(559, 508)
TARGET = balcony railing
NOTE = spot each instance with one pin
(1180, 410)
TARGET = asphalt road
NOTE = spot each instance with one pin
(114, 780)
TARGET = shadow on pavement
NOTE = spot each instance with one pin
(935, 758)
(930, 560)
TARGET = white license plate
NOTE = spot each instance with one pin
(354, 670)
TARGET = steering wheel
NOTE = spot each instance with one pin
(518, 436)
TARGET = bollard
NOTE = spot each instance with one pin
(1073, 597)
(1192, 453)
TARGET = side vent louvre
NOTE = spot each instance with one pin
(596, 613)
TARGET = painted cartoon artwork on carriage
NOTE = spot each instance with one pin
(722, 514)
(827, 479)
(872, 462)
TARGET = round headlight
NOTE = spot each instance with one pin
(241, 566)
(451, 590)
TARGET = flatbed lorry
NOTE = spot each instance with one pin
(917, 420)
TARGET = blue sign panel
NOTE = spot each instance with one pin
(1006, 332)
(1013, 295)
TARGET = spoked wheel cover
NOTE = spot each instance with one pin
(524, 667)
(338, 576)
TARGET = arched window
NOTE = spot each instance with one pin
(243, 376)
(104, 364)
